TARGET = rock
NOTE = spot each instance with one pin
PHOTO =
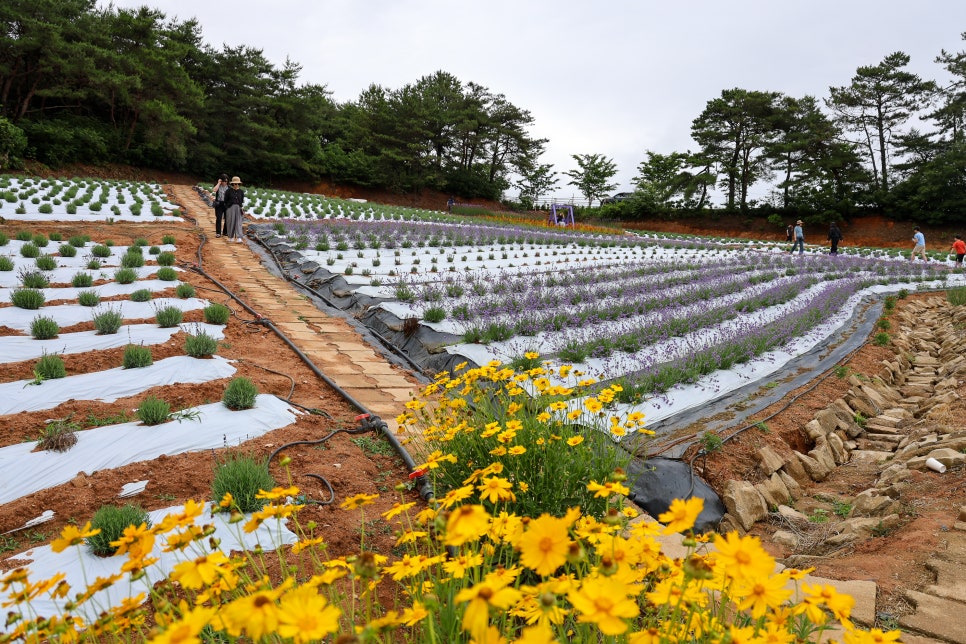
(794, 489)
(876, 398)
(948, 457)
(793, 516)
(815, 470)
(785, 538)
(773, 488)
(893, 474)
(828, 420)
(837, 446)
(769, 460)
(794, 469)
(744, 503)
(814, 430)
(729, 524)
(863, 406)
(870, 504)
(823, 454)
(962, 513)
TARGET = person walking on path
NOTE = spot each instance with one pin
(834, 236)
(219, 193)
(234, 200)
(959, 247)
(788, 234)
(799, 238)
(920, 247)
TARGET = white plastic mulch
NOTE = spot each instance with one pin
(80, 567)
(109, 385)
(24, 471)
(15, 348)
(68, 314)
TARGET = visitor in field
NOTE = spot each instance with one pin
(920, 245)
(834, 237)
(234, 199)
(799, 235)
(788, 233)
(959, 247)
(219, 192)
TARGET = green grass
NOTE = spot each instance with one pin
(242, 477)
(373, 445)
(111, 521)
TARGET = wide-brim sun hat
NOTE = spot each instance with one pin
(799, 222)
(235, 180)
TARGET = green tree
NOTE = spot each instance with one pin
(661, 177)
(12, 143)
(880, 100)
(733, 132)
(592, 176)
(536, 180)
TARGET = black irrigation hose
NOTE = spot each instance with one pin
(371, 421)
(382, 339)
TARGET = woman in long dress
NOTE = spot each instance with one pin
(234, 199)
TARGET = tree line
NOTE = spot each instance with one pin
(863, 153)
(82, 84)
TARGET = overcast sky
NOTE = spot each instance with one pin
(611, 77)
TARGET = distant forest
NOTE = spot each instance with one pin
(82, 84)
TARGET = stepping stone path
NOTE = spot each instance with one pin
(331, 343)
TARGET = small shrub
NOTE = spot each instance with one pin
(24, 235)
(184, 290)
(101, 251)
(166, 258)
(140, 241)
(125, 275)
(77, 241)
(884, 324)
(242, 477)
(154, 250)
(55, 237)
(82, 280)
(94, 264)
(167, 274)
(153, 411)
(88, 298)
(30, 250)
(882, 339)
(44, 328)
(711, 442)
(6, 264)
(956, 296)
(66, 250)
(46, 262)
(39, 241)
(240, 394)
(4, 240)
(132, 260)
(141, 295)
(434, 314)
(217, 314)
(168, 316)
(111, 521)
(34, 279)
(200, 345)
(58, 436)
(903, 293)
(137, 356)
(168, 239)
(49, 367)
(108, 321)
(27, 298)
(45, 209)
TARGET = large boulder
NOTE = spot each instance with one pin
(744, 503)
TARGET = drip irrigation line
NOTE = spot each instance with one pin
(382, 339)
(366, 419)
(291, 390)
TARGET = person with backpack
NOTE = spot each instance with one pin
(221, 220)
(834, 236)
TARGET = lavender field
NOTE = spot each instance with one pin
(674, 321)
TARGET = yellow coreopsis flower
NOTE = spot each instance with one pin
(545, 543)
(681, 515)
(517, 450)
(574, 414)
(505, 527)
(761, 594)
(358, 501)
(456, 495)
(531, 355)
(71, 535)
(277, 493)
(602, 491)
(458, 565)
(873, 636)
(305, 616)
(201, 571)
(135, 541)
(593, 405)
(743, 557)
(824, 594)
(466, 523)
(773, 634)
(606, 602)
(256, 615)
(488, 593)
(397, 509)
(539, 634)
(434, 459)
(495, 489)
(543, 417)
(187, 629)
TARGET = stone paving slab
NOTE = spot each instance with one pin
(937, 617)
